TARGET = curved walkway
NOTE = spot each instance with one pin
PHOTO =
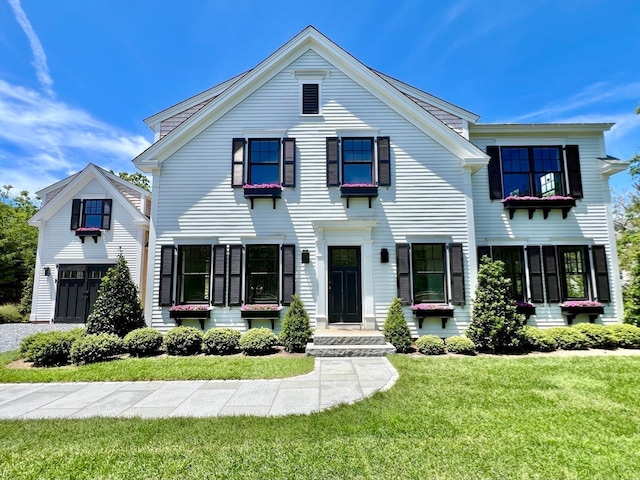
(334, 381)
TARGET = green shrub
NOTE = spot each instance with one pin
(430, 345)
(143, 342)
(296, 329)
(396, 331)
(631, 294)
(221, 341)
(10, 313)
(258, 341)
(495, 326)
(183, 341)
(50, 349)
(597, 335)
(568, 338)
(461, 345)
(117, 308)
(627, 336)
(96, 348)
(538, 340)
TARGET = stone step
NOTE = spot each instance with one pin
(315, 350)
(348, 337)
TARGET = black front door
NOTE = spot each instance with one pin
(77, 291)
(345, 304)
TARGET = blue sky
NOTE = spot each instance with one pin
(77, 77)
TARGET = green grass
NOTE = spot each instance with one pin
(166, 368)
(446, 418)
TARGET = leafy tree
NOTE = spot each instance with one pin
(296, 329)
(18, 243)
(495, 324)
(117, 308)
(136, 178)
(396, 330)
(632, 296)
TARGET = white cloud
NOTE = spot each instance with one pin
(39, 57)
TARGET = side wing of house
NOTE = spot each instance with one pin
(83, 227)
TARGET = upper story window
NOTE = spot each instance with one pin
(91, 214)
(263, 161)
(310, 98)
(358, 160)
(194, 273)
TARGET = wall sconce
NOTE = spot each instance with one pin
(47, 272)
(305, 256)
(384, 255)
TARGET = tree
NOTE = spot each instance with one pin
(631, 294)
(296, 329)
(396, 330)
(18, 243)
(117, 308)
(495, 324)
(136, 178)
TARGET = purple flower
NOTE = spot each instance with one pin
(580, 303)
(524, 304)
(261, 307)
(88, 229)
(190, 308)
(358, 185)
(431, 306)
(262, 185)
(527, 198)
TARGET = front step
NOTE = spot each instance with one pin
(349, 343)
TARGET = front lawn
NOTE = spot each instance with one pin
(446, 417)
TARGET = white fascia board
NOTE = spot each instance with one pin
(538, 128)
(611, 167)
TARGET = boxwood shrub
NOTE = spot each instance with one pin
(221, 341)
(96, 348)
(183, 341)
(627, 336)
(461, 345)
(568, 338)
(430, 345)
(539, 340)
(258, 341)
(50, 349)
(143, 342)
(597, 335)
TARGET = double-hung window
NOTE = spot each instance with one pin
(263, 161)
(514, 269)
(91, 214)
(532, 171)
(574, 272)
(358, 161)
(194, 273)
(262, 274)
(429, 273)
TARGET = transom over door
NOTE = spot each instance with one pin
(345, 297)
(77, 291)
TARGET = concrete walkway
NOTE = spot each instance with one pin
(333, 382)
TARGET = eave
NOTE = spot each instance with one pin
(538, 128)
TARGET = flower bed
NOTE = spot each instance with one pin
(546, 204)
(577, 307)
(254, 311)
(181, 312)
(525, 308)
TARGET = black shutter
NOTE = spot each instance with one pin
(457, 273)
(310, 98)
(551, 273)
(495, 175)
(289, 164)
(219, 274)
(483, 251)
(384, 162)
(535, 274)
(288, 273)
(603, 291)
(235, 274)
(333, 180)
(106, 214)
(76, 205)
(166, 274)
(573, 171)
(403, 263)
(237, 162)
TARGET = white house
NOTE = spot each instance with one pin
(85, 221)
(314, 174)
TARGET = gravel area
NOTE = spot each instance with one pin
(12, 333)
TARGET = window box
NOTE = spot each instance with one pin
(264, 190)
(261, 312)
(355, 190)
(586, 307)
(526, 309)
(546, 204)
(181, 312)
(83, 232)
(432, 310)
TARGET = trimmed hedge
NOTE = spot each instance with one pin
(258, 341)
(10, 313)
(221, 341)
(627, 336)
(568, 338)
(597, 335)
(143, 342)
(430, 345)
(183, 341)
(96, 348)
(50, 349)
(539, 340)
(461, 345)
